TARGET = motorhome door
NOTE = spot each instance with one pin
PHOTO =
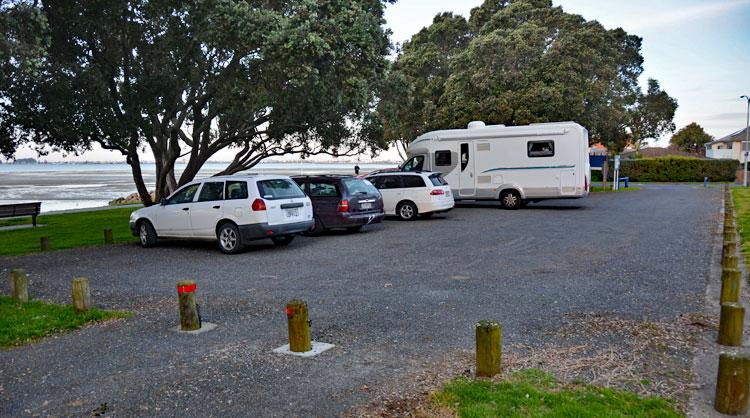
(466, 186)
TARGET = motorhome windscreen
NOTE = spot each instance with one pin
(416, 163)
(438, 180)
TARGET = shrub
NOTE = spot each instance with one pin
(677, 169)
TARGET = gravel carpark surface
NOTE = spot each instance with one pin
(393, 298)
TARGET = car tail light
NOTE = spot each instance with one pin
(258, 205)
(437, 192)
(343, 206)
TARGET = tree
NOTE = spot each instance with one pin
(652, 116)
(188, 79)
(691, 138)
(516, 62)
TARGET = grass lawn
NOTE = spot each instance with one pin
(741, 197)
(24, 322)
(533, 393)
(67, 230)
(608, 189)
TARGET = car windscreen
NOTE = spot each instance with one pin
(359, 186)
(438, 180)
(279, 189)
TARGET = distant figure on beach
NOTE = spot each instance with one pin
(356, 170)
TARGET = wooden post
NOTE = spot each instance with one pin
(44, 243)
(81, 295)
(730, 237)
(731, 285)
(489, 339)
(298, 325)
(108, 236)
(732, 383)
(189, 320)
(730, 324)
(19, 290)
(729, 262)
(729, 248)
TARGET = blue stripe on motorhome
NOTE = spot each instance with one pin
(529, 168)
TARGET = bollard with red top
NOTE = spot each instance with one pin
(299, 326)
(189, 318)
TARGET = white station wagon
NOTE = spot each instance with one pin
(232, 210)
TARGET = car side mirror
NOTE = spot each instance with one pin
(163, 201)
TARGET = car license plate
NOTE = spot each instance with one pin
(292, 213)
(365, 206)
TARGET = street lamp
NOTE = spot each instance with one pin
(747, 139)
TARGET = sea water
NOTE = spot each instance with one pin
(64, 186)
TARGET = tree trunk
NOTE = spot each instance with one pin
(135, 166)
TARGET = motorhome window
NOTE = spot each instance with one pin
(442, 158)
(540, 148)
(211, 191)
(323, 190)
(416, 163)
(438, 180)
(464, 156)
(413, 181)
(236, 190)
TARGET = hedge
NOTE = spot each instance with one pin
(674, 168)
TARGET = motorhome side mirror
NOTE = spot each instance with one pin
(163, 201)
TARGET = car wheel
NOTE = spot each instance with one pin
(407, 211)
(354, 229)
(317, 229)
(229, 239)
(146, 234)
(284, 240)
(511, 199)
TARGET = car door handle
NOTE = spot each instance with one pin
(217, 207)
(185, 208)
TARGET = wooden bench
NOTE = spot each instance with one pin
(21, 209)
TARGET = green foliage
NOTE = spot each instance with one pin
(24, 322)
(678, 169)
(741, 196)
(691, 138)
(189, 79)
(532, 393)
(518, 62)
(68, 230)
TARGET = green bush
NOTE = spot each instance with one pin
(675, 168)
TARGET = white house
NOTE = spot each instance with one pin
(728, 147)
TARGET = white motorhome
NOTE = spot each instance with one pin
(514, 164)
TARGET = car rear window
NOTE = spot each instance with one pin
(279, 189)
(359, 186)
(438, 180)
(413, 181)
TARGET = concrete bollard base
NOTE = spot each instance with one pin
(315, 349)
(205, 327)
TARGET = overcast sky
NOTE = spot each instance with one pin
(699, 50)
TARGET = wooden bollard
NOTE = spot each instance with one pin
(731, 284)
(298, 325)
(81, 294)
(108, 236)
(489, 339)
(730, 237)
(731, 323)
(189, 319)
(729, 248)
(44, 243)
(19, 290)
(732, 383)
(729, 261)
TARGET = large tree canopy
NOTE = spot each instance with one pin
(186, 79)
(691, 138)
(516, 62)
